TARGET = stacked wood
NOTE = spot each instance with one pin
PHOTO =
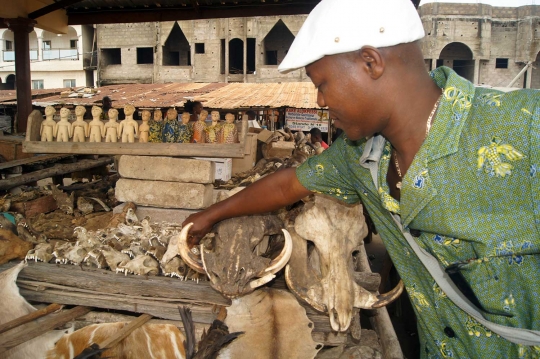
(157, 296)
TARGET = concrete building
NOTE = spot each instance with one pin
(65, 60)
(485, 44)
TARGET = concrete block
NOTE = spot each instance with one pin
(278, 149)
(164, 194)
(166, 169)
(168, 215)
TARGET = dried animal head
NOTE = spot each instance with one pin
(42, 252)
(141, 265)
(174, 268)
(233, 266)
(95, 258)
(336, 230)
(76, 254)
(114, 258)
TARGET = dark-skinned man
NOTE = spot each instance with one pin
(449, 173)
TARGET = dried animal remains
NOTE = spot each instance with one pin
(324, 278)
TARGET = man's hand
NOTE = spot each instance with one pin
(202, 224)
(268, 194)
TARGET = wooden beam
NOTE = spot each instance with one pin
(116, 338)
(52, 7)
(29, 317)
(32, 330)
(115, 16)
(58, 169)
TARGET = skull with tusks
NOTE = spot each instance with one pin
(234, 265)
(324, 277)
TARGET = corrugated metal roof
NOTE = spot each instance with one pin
(213, 95)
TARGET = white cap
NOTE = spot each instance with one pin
(338, 26)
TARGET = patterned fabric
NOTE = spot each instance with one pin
(169, 132)
(185, 132)
(154, 134)
(228, 133)
(211, 133)
(473, 192)
(198, 132)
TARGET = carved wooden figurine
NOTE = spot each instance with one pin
(211, 132)
(155, 125)
(129, 128)
(80, 127)
(198, 127)
(96, 126)
(112, 133)
(47, 126)
(144, 128)
(63, 130)
(185, 129)
(169, 133)
(229, 132)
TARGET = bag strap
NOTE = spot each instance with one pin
(515, 335)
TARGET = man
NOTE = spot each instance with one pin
(454, 165)
(316, 137)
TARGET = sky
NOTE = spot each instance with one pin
(490, 2)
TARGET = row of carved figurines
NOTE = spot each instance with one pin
(156, 130)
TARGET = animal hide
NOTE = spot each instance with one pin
(157, 341)
(274, 324)
(12, 247)
(12, 306)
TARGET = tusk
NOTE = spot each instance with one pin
(283, 258)
(387, 298)
(186, 254)
(263, 280)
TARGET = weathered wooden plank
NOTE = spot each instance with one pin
(53, 171)
(35, 329)
(29, 317)
(105, 281)
(380, 320)
(31, 160)
(143, 149)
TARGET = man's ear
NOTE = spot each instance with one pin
(373, 61)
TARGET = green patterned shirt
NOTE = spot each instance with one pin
(472, 194)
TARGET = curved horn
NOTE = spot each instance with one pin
(387, 298)
(283, 258)
(185, 252)
(260, 281)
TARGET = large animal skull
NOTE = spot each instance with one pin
(336, 230)
(233, 266)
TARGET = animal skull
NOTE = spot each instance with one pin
(336, 230)
(174, 268)
(42, 252)
(233, 266)
(141, 265)
(114, 258)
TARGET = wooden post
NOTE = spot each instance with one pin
(21, 27)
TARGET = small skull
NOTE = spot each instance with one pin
(113, 258)
(175, 268)
(42, 252)
(141, 265)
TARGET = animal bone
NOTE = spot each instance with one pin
(76, 255)
(42, 252)
(233, 267)
(114, 258)
(174, 268)
(96, 258)
(141, 265)
(336, 230)
(275, 326)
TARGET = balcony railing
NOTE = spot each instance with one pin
(60, 54)
(51, 54)
(90, 59)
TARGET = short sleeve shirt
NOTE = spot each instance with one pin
(472, 194)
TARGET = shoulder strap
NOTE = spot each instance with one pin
(514, 335)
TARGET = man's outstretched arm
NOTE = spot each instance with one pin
(268, 194)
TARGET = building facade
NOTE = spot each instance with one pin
(485, 44)
(57, 61)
